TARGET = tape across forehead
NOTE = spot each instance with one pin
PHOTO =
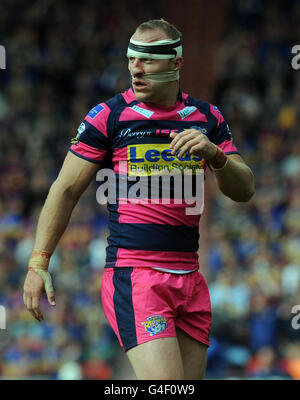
(159, 50)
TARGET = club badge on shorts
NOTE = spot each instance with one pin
(155, 324)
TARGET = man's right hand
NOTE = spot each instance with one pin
(34, 287)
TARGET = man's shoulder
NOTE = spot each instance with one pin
(103, 109)
(203, 106)
(120, 99)
(103, 115)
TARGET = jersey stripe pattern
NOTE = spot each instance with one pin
(132, 139)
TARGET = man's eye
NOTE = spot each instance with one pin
(144, 60)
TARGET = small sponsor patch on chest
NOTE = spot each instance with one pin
(186, 111)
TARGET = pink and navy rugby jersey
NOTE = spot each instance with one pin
(132, 138)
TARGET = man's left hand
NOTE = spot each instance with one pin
(193, 142)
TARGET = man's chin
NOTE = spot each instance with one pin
(142, 96)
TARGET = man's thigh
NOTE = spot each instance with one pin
(194, 355)
(157, 359)
(180, 357)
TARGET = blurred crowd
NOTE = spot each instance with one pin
(254, 248)
(62, 57)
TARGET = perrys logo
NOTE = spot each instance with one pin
(156, 132)
(154, 324)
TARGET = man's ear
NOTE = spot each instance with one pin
(178, 63)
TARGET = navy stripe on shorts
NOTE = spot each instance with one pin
(124, 306)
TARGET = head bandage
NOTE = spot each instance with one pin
(159, 50)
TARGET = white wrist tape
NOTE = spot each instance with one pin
(45, 275)
(39, 262)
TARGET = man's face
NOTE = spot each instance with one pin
(144, 89)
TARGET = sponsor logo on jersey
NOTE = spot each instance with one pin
(95, 111)
(153, 132)
(137, 134)
(80, 129)
(185, 112)
(154, 324)
(156, 132)
(149, 159)
(142, 111)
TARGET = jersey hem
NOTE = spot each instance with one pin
(85, 158)
(232, 152)
(182, 268)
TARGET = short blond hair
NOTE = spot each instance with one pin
(153, 24)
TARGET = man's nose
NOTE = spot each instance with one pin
(137, 67)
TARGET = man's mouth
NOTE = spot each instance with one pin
(139, 84)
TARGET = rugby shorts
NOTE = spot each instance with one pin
(143, 304)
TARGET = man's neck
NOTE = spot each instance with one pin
(171, 97)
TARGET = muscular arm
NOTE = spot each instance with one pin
(236, 179)
(73, 179)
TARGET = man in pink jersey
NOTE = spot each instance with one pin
(153, 294)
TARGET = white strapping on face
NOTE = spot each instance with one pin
(167, 76)
(139, 50)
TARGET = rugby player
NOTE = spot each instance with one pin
(153, 294)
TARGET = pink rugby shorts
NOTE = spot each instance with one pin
(143, 304)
